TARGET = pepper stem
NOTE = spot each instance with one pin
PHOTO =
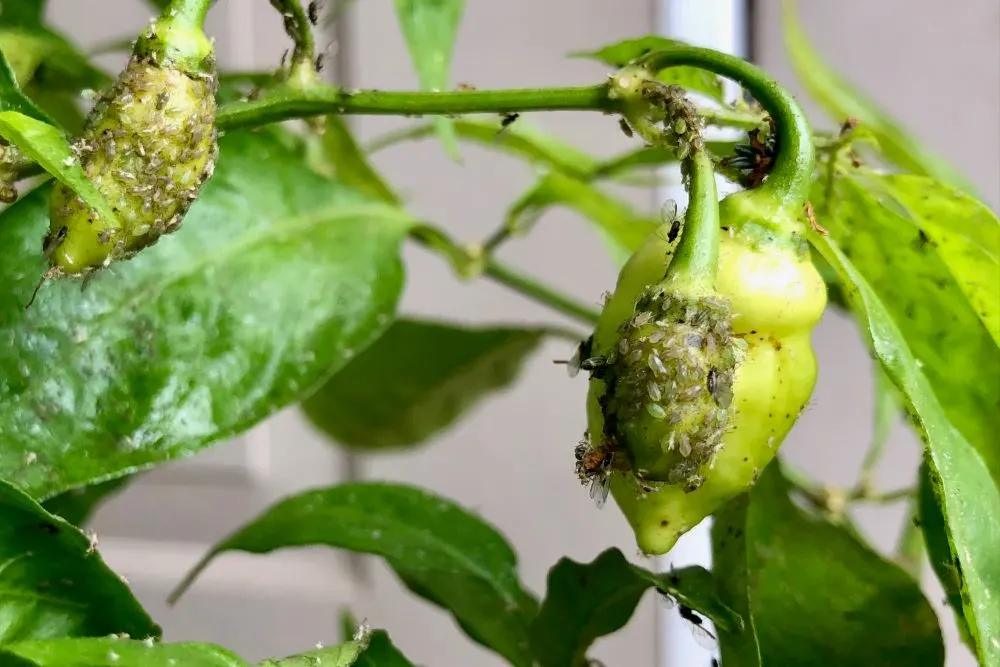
(188, 13)
(789, 180)
(696, 258)
(177, 39)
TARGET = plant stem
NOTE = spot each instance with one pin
(188, 13)
(536, 291)
(791, 176)
(297, 27)
(284, 103)
(696, 258)
(469, 264)
(727, 117)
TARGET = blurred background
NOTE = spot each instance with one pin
(936, 68)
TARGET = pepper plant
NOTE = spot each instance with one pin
(133, 340)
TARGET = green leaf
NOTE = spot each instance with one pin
(276, 280)
(11, 97)
(439, 550)
(8, 659)
(52, 581)
(729, 565)
(622, 229)
(938, 323)
(818, 596)
(336, 154)
(381, 653)
(42, 56)
(48, 146)
(63, 107)
(586, 601)
(621, 53)
(430, 28)
(935, 534)
(416, 381)
(343, 655)
(28, 13)
(964, 232)
(968, 497)
(842, 100)
(78, 505)
(121, 652)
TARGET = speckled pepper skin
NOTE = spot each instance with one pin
(149, 146)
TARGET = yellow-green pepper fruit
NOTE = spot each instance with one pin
(149, 146)
(767, 298)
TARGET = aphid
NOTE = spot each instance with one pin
(701, 634)
(593, 466)
(318, 65)
(313, 12)
(721, 391)
(656, 411)
(508, 119)
(573, 364)
(642, 319)
(596, 366)
(626, 128)
(161, 100)
(656, 364)
(465, 86)
(653, 391)
(675, 229)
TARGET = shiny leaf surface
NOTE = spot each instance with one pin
(275, 281)
(53, 582)
(441, 551)
(968, 497)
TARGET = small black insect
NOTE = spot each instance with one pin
(675, 229)
(626, 128)
(313, 11)
(508, 119)
(713, 378)
(319, 62)
(701, 634)
(596, 366)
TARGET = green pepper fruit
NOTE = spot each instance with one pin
(676, 453)
(149, 145)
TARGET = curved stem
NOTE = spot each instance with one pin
(188, 13)
(790, 177)
(297, 27)
(696, 258)
(284, 103)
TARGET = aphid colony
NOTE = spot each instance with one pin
(148, 147)
(670, 388)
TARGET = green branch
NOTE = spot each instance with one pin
(188, 13)
(299, 29)
(536, 291)
(286, 103)
(471, 262)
